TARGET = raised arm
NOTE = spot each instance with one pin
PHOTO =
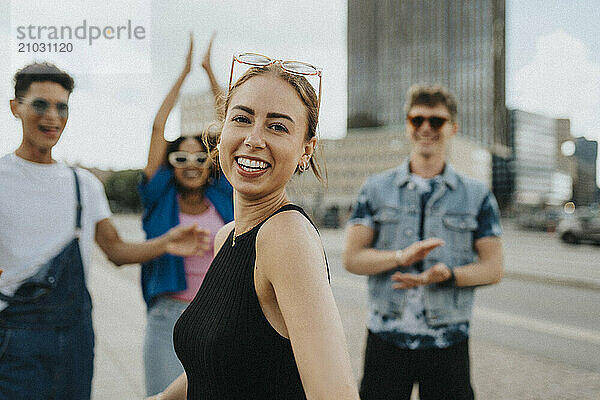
(158, 144)
(290, 256)
(217, 91)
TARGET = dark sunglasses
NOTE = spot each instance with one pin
(435, 123)
(182, 159)
(41, 107)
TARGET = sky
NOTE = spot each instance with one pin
(552, 63)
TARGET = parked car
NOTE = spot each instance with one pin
(575, 228)
(539, 219)
(331, 219)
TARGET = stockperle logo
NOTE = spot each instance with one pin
(83, 32)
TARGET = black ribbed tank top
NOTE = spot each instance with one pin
(228, 348)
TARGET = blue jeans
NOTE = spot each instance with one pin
(161, 365)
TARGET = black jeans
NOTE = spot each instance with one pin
(390, 371)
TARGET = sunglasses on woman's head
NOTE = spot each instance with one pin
(182, 159)
(435, 123)
(41, 106)
(291, 67)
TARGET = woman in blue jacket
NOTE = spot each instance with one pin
(178, 187)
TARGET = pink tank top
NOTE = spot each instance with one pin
(197, 266)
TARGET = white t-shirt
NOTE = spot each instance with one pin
(37, 216)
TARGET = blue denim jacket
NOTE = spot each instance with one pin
(166, 274)
(392, 209)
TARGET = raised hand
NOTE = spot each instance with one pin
(440, 272)
(188, 241)
(418, 251)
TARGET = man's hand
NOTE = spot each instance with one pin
(187, 241)
(440, 272)
(418, 251)
(206, 58)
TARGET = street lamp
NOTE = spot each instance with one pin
(567, 148)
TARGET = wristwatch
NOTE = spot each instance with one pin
(450, 281)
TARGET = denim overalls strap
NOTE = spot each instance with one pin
(56, 296)
(48, 350)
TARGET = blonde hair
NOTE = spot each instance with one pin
(431, 95)
(304, 89)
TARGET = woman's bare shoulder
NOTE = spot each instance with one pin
(288, 226)
(289, 243)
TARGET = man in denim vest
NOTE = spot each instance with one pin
(426, 236)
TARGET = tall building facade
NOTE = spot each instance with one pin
(393, 44)
(542, 174)
(585, 188)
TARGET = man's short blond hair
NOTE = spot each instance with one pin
(431, 95)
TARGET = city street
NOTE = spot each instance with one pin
(547, 304)
(535, 336)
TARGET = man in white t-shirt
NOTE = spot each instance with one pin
(46, 336)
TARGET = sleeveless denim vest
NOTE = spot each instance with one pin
(450, 214)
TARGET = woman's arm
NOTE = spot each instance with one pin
(290, 255)
(175, 391)
(158, 144)
(217, 92)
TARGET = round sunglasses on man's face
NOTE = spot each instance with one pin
(435, 123)
(182, 159)
(41, 107)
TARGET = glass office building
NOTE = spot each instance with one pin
(393, 44)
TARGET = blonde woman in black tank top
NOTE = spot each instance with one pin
(264, 325)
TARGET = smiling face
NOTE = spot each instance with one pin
(41, 131)
(263, 136)
(191, 177)
(426, 141)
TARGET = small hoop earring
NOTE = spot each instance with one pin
(304, 164)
